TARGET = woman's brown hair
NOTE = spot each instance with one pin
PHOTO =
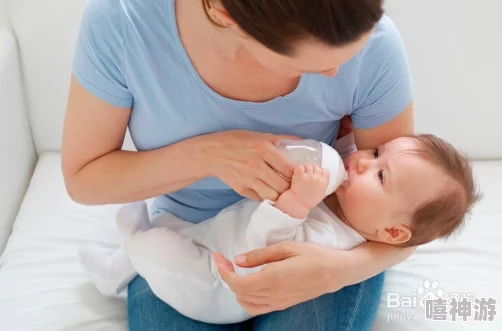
(277, 24)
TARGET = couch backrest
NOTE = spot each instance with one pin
(3, 13)
(453, 48)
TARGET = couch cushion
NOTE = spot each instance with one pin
(43, 288)
(41, 283)
(16, 145)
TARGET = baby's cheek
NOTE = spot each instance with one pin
(360, 196)
(341, 191)
(353, 199)
(358, 186)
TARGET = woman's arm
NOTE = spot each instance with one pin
(371, 258)
(401, 125)
(290, 268)
(97, 171)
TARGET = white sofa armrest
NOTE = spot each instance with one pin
(17, 152)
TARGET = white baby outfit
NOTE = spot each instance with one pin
(174, 256)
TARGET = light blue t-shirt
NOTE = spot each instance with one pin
(129, 53)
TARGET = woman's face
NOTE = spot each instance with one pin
(308, 57)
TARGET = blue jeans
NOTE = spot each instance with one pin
(351, 308)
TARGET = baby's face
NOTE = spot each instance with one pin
(384, 187)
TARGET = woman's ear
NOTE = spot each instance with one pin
(398, 234)
(221, 17)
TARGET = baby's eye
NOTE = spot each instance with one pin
(381, 176)
(376, 153)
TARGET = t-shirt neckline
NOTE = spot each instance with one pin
(171, 12)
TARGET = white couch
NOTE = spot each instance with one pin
(455, 55)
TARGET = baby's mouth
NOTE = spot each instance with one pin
(345, 182)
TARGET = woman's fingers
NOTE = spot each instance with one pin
(265, 191)
(255, 309)
(273, 179)
(255, 301)
(272, 253)
(250, 194)
(278, 162)
(264, 291)
(248, 162)
(249, 284)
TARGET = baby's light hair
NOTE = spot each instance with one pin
(445, 213)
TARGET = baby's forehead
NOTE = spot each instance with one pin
(401, 144)
(412, 163)
(416, 179)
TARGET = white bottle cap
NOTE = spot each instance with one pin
(332, 161)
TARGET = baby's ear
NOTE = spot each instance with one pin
(398, 234)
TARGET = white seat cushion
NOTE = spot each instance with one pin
(42, 287)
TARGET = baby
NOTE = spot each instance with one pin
(407, 192)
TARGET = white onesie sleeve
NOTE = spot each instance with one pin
(269, 225)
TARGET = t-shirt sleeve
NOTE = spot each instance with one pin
(384, 88)
(98, 63)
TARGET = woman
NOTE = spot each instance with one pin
(206, 88)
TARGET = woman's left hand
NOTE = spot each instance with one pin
(295, 272)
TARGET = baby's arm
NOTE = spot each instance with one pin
(271, 223)
(308, 189)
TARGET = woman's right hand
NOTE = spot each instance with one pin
(247, 161)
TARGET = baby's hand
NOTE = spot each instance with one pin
(309, 183)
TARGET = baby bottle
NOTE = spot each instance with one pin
(310, 151)
(306, 151)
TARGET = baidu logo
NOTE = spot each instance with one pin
(429, 290)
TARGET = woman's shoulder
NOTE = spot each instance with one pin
(110, 30)
(384, 86)
(385, 40)
(384, 49)
(137, 5)
(385, 35)
(114, 26)
(119, 12)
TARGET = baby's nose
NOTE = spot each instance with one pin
(362, 165)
